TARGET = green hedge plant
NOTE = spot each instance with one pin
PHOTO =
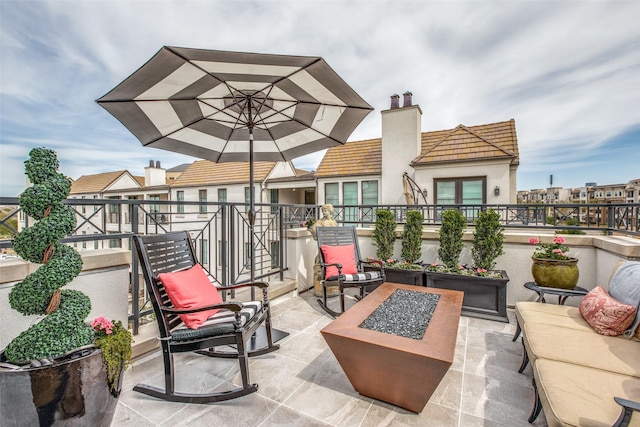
(451, 231)
(384, 234)
(488, 240)
(412, 237)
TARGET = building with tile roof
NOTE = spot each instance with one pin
(466, 164)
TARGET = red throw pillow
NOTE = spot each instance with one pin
(341, 255)
(605, 314)
(191, 289)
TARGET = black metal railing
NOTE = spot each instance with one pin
(221, 230)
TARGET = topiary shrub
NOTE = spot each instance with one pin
(488, 240)
(384, 234)
(63, 329)
(412, 237)
(451, 231)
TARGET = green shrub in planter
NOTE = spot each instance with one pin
(488, 240)
(384, 234)
(63, 329)
(412, 237)
(451, 231)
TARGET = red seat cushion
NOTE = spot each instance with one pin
(191, 288)
(341, 255)
(605, 314)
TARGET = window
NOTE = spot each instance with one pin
(180, 198)
(222, 195)
(350, 198)
(331, 194)
(369, 192)
(369, 197)
(84, 242)
(154, 208)
(461, 191)
(274, 197)
(95, 207)
(222, 254)
(204, 251)
(95, 242)
(84, 208)
(274, 248)
(202, 197)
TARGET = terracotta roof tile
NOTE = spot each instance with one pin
(205, 172)
(95, 183)
(353, 158)
(495, 140)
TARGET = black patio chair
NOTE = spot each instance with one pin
(230, 328)
(355, 277)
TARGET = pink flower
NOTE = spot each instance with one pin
(558, 239)
(534, 241)
(434, 264)
(482, 270)
(390, 261)
(557, 251)
(102, 323)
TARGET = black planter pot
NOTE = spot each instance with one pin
(71, 392)
(407, 277)
(484, 297)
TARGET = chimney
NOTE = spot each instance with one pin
(395, 101)
(407, 99)
(401, 144)
(154, 175)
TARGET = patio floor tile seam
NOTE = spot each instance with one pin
(464, 366)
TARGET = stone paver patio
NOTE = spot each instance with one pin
(302, 384)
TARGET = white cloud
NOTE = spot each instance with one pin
(567, 72)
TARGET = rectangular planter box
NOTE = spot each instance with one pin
(484, 297)
(406, 277)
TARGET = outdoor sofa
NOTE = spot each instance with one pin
(577, 372)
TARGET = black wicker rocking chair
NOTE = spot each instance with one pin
(344, 236)
(234, 325)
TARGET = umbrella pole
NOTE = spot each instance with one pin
(252, 213)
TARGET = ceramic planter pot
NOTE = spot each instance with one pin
(71, 392)
(555, 273)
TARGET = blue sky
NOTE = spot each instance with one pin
(568, 72)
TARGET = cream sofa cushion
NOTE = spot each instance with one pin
(573, 395)
(586, 348)
(550, 314)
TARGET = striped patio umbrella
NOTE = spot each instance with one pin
(232, 106)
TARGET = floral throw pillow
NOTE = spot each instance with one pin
(605, 314)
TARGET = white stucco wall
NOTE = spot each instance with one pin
(497, 172)
(104, 279)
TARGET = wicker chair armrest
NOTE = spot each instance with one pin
(628, 408)
(232, 306)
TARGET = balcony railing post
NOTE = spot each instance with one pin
(135, 283)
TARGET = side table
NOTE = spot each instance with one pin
(563, 294)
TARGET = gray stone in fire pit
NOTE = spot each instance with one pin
(404, 313)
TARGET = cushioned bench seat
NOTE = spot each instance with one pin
(574, 395)
(586, 348)
(550, 314)
(579, 366)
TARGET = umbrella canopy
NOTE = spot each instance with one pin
(232, 106)
(205, 104)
